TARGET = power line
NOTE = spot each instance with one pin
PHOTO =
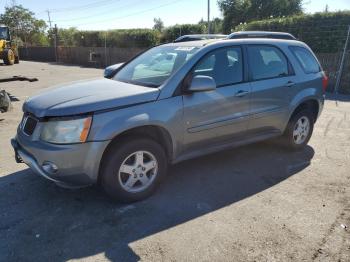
(82, 7)
(95, 15)
(132, 14)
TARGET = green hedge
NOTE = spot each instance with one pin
(114, 38)
(323, 32)
(173, 32)
(142, 38)
(127, 38)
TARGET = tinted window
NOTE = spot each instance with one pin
(267, 62)
(307, 61)
(224, 65)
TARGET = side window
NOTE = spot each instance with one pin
(267, 62)
(205, 65)
(225, 65)
(307, 61)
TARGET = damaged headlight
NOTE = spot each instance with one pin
(66, 131)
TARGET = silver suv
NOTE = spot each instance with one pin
(171, 103)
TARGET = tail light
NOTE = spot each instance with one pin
(324, 82)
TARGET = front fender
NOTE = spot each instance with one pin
(166, 114)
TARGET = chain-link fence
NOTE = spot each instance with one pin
(328, 45)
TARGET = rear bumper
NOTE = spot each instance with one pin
(77, 165)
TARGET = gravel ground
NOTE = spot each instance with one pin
(253, 203)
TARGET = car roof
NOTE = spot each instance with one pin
(198, 37)
(225, 42)
(262, 34)
(203, 35)
(196, 43)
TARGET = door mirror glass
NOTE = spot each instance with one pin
(202, 83)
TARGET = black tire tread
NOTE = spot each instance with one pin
(288, 134)
(115, 156)
(6, 60)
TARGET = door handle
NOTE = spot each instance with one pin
(290, 84)
(241, 93)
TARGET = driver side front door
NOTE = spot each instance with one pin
(213, 117)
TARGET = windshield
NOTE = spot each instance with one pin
(3, 33)
(155, 66)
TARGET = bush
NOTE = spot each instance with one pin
(141, 38)
(114, 38)
(173, 32)
(323, 32)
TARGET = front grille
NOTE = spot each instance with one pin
(29, 124)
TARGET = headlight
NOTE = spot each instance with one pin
(66, 131)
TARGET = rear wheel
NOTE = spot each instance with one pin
(9, 57)
(133, 170)
(299, 130)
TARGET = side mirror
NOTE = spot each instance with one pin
(111, 70)
(202, 83)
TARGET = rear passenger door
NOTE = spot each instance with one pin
(271, 77)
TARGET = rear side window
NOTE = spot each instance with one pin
(307, 60)
(267, 62)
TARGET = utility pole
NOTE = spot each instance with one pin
(106, 49)
(53, 33)
(208, 16)
(55, 42)
(48, 14)
(340, 71)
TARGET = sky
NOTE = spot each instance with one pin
(121, 14)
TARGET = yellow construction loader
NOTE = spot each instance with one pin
(8, 49)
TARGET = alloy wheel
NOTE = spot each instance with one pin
(138, 171)
(301, 130)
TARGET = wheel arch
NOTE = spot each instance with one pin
(154, 132)
(311, 104)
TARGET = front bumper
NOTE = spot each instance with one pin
(77, 164)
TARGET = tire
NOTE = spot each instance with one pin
(9, 57)
(16, 59)
(137, 182)
(299, 130)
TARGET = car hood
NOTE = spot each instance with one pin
(88, 96)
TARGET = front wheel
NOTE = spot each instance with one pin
(9, 57)
(132, 170)
(299, 130)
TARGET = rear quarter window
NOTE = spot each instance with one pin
(306, 59)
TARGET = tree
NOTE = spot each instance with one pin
(24, 25)
(158, 24)
(68, 37)
(175, 31)
(215, 25)
(241, 11)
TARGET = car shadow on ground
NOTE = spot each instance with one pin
(42, 222)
